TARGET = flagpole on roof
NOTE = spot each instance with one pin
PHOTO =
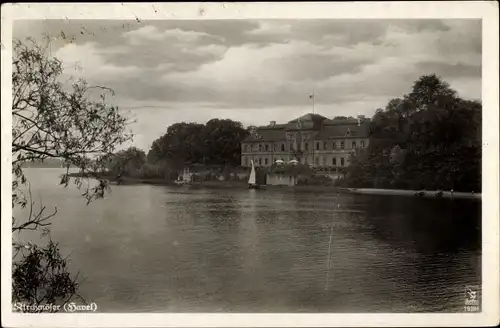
(312, 97)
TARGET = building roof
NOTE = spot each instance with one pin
(344, 130)
(309, 117)
(347, 121)
(267, 133)
(319, 128)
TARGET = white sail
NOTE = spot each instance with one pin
(251, 180)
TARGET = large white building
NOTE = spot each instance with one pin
(311, 139)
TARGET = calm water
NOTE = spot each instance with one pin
(159, 249)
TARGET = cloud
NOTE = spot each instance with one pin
(172, 49)
(87, 61)
(152, 33)
(259, 70)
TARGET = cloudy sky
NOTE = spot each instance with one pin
(255, 71)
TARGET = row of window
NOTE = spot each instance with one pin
(319, 161)
(266, 147)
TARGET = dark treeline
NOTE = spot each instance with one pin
(47, 163)
(428, 139)
(216, 143)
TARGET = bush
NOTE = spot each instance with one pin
(151, 171)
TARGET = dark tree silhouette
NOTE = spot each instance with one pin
(52, 120)
(429, 138)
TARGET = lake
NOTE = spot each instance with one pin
(151, 248)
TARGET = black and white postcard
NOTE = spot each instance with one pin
(250, 164)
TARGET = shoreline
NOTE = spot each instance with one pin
(399, 192)
(244, 185)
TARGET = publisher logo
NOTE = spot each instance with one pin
(472, 299)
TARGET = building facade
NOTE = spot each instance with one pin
(311, 139)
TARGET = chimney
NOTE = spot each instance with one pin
(360, 119)
(272, 123)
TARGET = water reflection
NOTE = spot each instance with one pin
(157, 249)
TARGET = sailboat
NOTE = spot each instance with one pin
(252, 179)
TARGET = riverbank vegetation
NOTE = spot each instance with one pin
(428, 139)
(212, 150)
(53, 123)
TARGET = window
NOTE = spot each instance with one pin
(353, 144)
(274, 147)
(324, 145)
(267, 147)
(282, 147)
(317, 145)
(342, 161)
(265, 161)
(306, 146)
(334, 161)
(362, 144)
(260, 161)
(341, 145)
(260, 147)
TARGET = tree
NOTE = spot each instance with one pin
(182, 143)
(218, 142)
(52, 120)
(428, 138)
(224, 139)
(127, 162)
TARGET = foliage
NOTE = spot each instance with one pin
(430, 138)
(343, 118)
(218, 142)
(42, 276)
(53, 120)
(128, 162)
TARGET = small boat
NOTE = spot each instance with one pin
(420, 194)
(252, 183)
(184, 179)
(439, 194)
(180, 182)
